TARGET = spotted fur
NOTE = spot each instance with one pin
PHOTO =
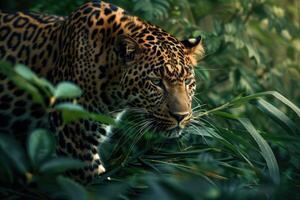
(120, 61)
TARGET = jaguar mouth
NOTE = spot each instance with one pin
(168, 130)
(154, 124)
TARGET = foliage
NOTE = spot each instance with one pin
(246, 143)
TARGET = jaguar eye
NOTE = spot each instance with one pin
(188, 81)
(156, 81)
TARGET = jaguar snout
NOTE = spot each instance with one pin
(182, 118)
(179, 116)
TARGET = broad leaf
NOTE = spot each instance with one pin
(25, 72)
(40, 146)
(72, 112)
(73, 190)
(60, 165)
(67, 90)
(14, 152)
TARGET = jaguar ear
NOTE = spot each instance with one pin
(194, 48)
(127, 49)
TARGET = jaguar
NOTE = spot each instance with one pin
(121, 62)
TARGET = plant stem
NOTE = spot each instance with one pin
(226, 105)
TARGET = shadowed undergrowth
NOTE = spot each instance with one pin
(211, 160)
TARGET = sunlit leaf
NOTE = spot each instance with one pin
(67, 90)
(72, 112)
(278, 115)
(20, 81)
(25, 72)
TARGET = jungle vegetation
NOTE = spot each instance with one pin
(247, 143)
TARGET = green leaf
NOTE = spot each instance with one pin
(30, 88)
(273, 93)
(6, 174)
(167, 189)
(206, 132)
(238, 43)
(252, 53)
(73, 112)
(73, 190)
(40, 146)
(25, 72)
(266, 150)
(111, 191)
(60, 165)
(20, 76)
(277, 115)
(287, 102)
(226, 115)
(45, 86)
(14, 152)
(34, 80)
(6, 68)
(212, 44)
(67, 90)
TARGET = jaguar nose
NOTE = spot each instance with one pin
(179, 116)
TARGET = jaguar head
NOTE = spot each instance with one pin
(159, 80)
